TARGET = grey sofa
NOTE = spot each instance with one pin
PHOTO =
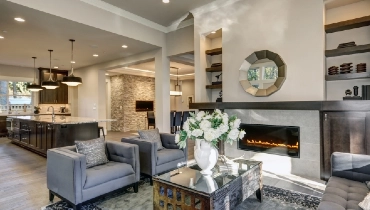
(68, 178)
(153, 162)
(346, 188)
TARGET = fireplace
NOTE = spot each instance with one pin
(273, 139)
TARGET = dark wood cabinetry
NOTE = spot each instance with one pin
(58, 95)
(344, 132)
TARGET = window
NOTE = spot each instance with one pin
(253, 74)
(271, 72)
(14, 96)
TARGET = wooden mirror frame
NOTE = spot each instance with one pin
(259, 55)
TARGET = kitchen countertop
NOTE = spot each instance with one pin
(32, 114)
(61, 119)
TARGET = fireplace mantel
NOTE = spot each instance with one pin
(288, 105)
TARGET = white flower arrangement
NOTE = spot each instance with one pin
(213, 127)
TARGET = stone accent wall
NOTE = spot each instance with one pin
(308, 165)
(126, 90)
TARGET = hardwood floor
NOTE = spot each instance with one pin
(22, 178)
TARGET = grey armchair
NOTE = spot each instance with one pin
(153, 162)
(346, 188)
(68, 178)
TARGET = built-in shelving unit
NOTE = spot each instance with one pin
(217, 51)
(364, 75)
(348, 24)
(214, 69)
(214, 86)
(348, 50)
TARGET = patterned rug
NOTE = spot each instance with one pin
(274, 198)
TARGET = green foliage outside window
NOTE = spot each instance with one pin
(271, 72)
(253, 74)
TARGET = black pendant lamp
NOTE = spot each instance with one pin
(71, 80)
(34, 87)
(50, 84)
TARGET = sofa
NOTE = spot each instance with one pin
(68, 178)
(346, 187)
(154, 161)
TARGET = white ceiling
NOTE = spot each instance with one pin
(331, 4)
(148, 70)
(157, 11)
(42, 31)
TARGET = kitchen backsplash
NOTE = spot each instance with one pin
(57, 108)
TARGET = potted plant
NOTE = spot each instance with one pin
(37, 110)
(207, 129)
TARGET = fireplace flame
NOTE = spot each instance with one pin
(271, 145)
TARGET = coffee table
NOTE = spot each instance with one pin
(186, 188)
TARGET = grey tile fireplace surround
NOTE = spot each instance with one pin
(308, 165)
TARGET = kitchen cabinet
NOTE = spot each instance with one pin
(344, 132)
(58, 95)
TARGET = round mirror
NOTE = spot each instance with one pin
(262, 73)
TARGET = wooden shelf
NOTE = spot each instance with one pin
(348, 24)
(214, 69)
(348, 50)
(214, 86)
(216, 51)
(349, 76)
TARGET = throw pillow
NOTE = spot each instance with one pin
(152, 135)
(94, 150)
(365, 204)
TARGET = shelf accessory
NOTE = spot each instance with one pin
(72, 80)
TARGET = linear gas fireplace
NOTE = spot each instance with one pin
(273, 139)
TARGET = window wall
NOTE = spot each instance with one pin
(14, 97)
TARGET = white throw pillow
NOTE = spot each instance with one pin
(365, 204)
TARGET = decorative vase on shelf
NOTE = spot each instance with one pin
(209, 130)
(37, 111)
(206, 156)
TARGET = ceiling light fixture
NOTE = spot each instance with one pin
(55, 67)
(213, 32)
(19, 19)
(177, 91)
(107, 74)
(1, 37)
(50, 84)
(166, 1)
(95, 55)
(71, 80)
(124, 46)
(34, 87)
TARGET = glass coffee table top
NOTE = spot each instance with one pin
(191, 178)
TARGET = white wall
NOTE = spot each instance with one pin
(21, 73)
(335, 89)
(292, 28)
(180, 41)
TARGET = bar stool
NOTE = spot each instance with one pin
(102, 129)
(177, 122)
(185, 116)
(151, 119)
(172, 116)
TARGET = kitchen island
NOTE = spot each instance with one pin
(43, 132)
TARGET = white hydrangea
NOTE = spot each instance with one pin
(197, 133)
(236, 123)
(191, 120)
(241, 134)
(186, 126)
(177, 138)
(218, 111)
(225, 118)
(209, 135)
(205, 125)
(207, 117)
(223, 128)
(234, 134)
(200, 115)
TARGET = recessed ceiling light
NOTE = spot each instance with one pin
(166, 1)
(124, 46)
(55, 67)
(19, 19)
(1, 37)
(213, 32)
(5, 31)
(73, 61)
(107, 74)
(95, 55)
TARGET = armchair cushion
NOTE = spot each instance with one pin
(94, 150)
(168, 155)
(151, 135)
(104, 173)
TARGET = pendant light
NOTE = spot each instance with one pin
(71, 80)
(50, 84)
(177, 91)
(34, 87)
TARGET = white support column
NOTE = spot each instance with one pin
(162, 91)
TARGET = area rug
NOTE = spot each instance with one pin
(273, 198)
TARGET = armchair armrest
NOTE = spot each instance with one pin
(168, 141)
(125, 153)
(355, 167)
(147, 154)
(66, 173)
